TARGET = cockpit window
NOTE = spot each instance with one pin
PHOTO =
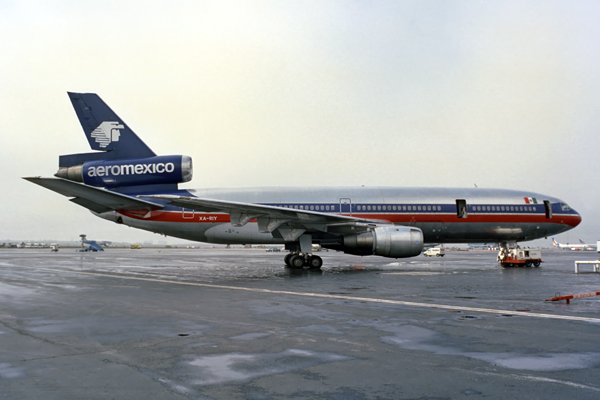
(565, 207)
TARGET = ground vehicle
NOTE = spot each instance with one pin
(136, 246)
(520, 257)
(434, 251)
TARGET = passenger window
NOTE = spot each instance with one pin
(327, 208)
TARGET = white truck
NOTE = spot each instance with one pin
(434, 251)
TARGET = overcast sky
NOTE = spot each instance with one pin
(502, 94)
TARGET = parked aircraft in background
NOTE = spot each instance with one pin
(124, 181)
(90, 245)
(574, 247)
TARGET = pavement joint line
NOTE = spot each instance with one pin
(337, 297)
(533, 378)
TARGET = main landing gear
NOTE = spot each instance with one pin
(299, 260)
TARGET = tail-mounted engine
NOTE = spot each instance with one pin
(130, 172)
(385, 241)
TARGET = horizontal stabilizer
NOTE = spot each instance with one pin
(95, 199)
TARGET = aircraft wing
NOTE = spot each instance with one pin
(271, 218)
(95, 199)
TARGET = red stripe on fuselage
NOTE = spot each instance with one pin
(399, 218)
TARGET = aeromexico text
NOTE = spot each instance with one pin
(130, 169)
(141, 171)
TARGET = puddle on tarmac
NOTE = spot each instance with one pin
(420, 339)
(222, 368)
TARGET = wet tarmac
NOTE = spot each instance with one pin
(236, 324)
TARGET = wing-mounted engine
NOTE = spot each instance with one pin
(385, 241)
(156, 170)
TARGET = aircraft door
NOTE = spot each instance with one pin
(345, 206)
(461, 208)
(187, 213)
(548, 207)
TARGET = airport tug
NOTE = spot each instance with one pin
(518, 257)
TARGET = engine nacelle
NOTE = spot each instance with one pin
(386, 241)
(130, 172)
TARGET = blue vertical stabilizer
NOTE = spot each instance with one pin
(105, 130)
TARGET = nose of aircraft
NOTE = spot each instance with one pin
(574, 220)
(577, 219)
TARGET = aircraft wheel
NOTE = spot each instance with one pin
(315, 262)
(286, 259)
(536, 263)
(296, 261)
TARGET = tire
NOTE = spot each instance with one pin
(528, 263)
(297, 261)
(286, 259)
(536, 263)
(315, 262)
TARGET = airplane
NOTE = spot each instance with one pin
(125, 182)
(91, 246)
(574, 247)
